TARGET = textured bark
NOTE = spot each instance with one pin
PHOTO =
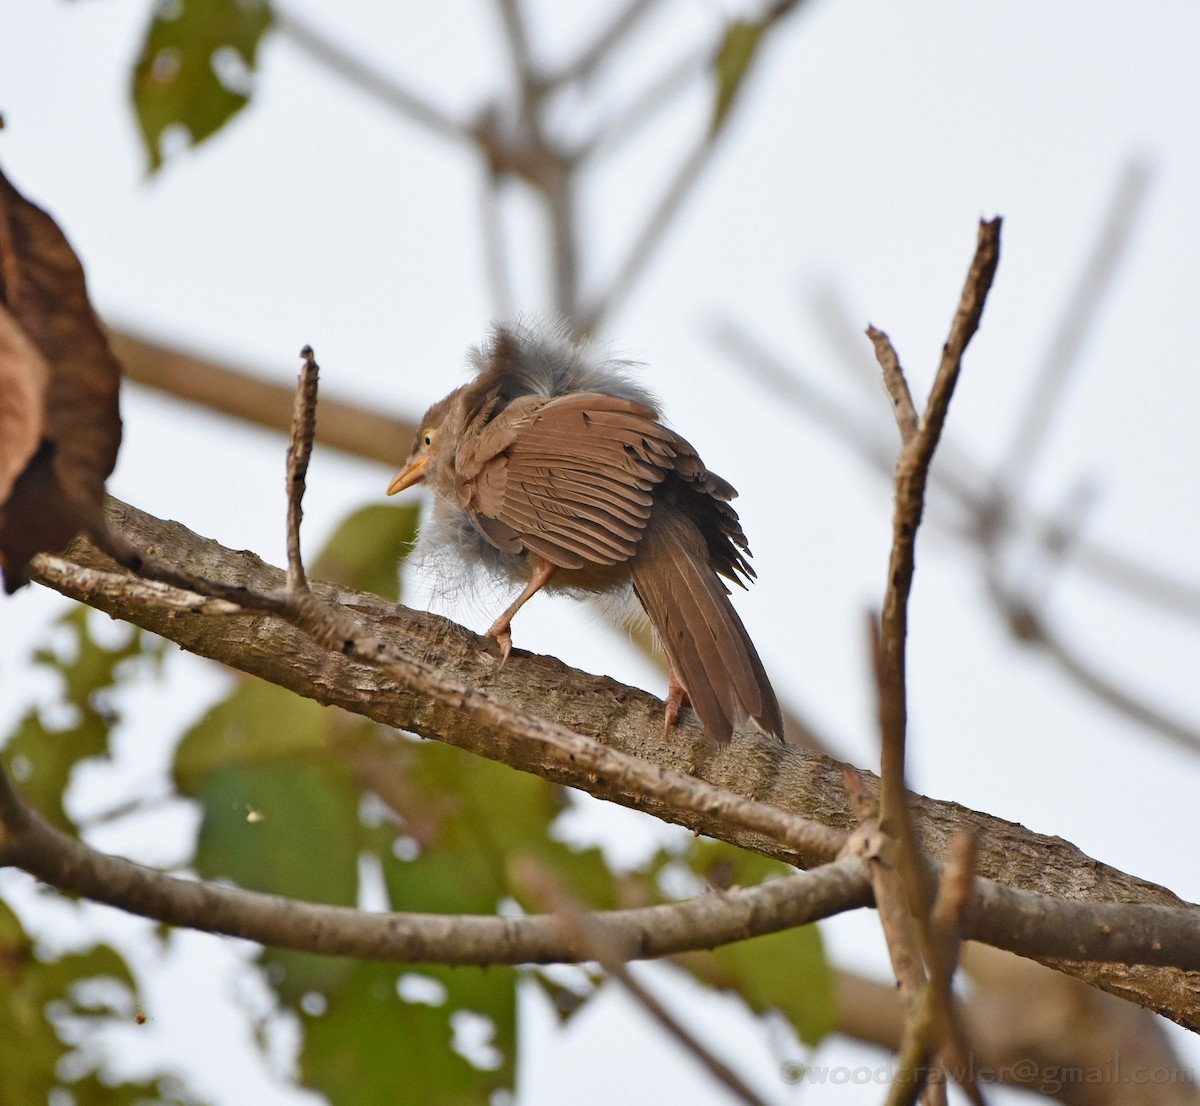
(793, 779)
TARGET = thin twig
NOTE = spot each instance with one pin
(605, 42)
(517, 38)
(1033, 628)
(592, 944)
(358, 74)
(494, 246)
(656, 95)
(946, 918)
(647, 241)
(564, 248)
(300, 443)
(882, 853)
(891, 900)
(920, 441)
(895, 383)
(864, 433)
(1083, 306)
(966, 482)
(912, 473)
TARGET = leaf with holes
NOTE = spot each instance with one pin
(46, 748)
(56, 1014)
(426, 1036)
(196, 67)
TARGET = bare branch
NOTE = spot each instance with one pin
(333, 629)
(644, 106)
(1097, 922)
(300, 442)
(965, 482)
(598, 50)
(929, 1020)
(516, 36)
(355, 72)
(1033, 628)
(946, 920)
(31, 843)
(912, 473)
(647, 241)
(250, 396)
(1079, 317)
(494, 246)
(580, 929)
(895, 383)
(881, 852)
(564, 248)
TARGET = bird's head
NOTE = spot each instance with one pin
(432, 450)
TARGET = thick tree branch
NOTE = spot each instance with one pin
(794, 780)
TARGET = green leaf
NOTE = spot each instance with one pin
(280, 811)
(367, 548)
(280, 814)
(734, 59)
(37, 994)
(785, 972)
(258, 723)
(373, 1048)
(196, 66)
(471, 818)
(42, 755)
(287, 829)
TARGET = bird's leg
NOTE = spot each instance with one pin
(677, 699)
(501, 629)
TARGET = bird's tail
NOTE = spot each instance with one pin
(708, 647)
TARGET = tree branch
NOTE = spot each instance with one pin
(31, 843)
(581, 929)
(357, 74)
(1096, 922)
(250, 396)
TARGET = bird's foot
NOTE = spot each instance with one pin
(677, 699)
(502, 632)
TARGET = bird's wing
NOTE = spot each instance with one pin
(570, 478)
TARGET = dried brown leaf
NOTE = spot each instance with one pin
(54, 357)
(24, 380)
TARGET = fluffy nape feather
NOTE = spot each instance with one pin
(539, 358)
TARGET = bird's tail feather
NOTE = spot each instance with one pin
(708, 647)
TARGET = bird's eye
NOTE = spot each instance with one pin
(427, 438)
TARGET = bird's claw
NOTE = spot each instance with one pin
(503, 636)
(677, 699)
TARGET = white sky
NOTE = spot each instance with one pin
(869, 142)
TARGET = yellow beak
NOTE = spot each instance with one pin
(412, 473)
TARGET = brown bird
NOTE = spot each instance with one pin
(552, 469)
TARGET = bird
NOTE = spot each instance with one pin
(553, 469)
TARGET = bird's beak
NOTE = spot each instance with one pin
(412, 473)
